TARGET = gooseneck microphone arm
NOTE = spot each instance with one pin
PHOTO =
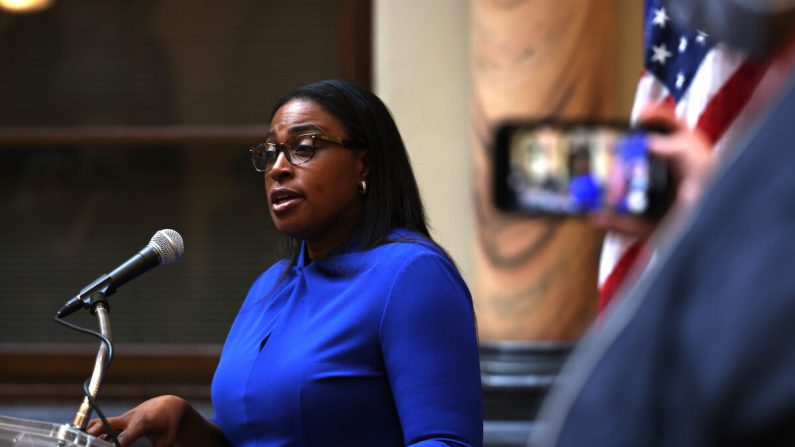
(84, 412)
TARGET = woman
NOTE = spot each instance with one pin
(365, 336)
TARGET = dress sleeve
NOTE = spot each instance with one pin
(429, 345)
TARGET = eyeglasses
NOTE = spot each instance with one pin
(298, 150)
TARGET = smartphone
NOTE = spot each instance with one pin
(575, 167)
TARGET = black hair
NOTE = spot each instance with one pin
(393, 197)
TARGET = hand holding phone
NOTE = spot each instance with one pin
(574, 168)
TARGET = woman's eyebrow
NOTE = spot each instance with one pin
(303, 128)
(298, 129)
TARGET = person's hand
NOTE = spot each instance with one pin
(689, 154)
(158, 419)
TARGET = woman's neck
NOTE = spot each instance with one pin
(320, 247)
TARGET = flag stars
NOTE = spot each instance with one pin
(680, 80)
(673, 51)
(660, 54)
(660, 18)
(682, 44)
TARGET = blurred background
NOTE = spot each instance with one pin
(119, 118)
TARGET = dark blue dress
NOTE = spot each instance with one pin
(362, 348)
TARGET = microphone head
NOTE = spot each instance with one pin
(168, 245)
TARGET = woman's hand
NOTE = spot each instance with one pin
(167, 421)
(688, 152)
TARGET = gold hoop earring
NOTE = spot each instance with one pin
(363, 189)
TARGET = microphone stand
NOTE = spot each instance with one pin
(67, 433)
(81, 418)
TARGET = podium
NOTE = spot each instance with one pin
(24, 433)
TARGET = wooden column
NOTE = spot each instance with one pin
(535, 278)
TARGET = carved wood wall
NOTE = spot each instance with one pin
(535, 279)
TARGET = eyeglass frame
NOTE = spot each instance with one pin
(314, 136)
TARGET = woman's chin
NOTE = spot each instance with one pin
(288, 228)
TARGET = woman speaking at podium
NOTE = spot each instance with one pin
(365, 334)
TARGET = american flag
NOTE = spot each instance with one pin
(713, 88)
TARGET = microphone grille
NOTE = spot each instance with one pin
(168, 245)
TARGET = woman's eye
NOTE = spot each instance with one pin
(304, 147)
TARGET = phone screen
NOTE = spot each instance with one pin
(577, 168)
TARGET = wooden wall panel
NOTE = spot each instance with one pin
(535, 279)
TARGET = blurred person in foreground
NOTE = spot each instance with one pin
(365, 335)
(698, 351)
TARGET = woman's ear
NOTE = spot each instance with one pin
(364, 172)
(361, 164)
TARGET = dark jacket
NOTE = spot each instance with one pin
(702, 351)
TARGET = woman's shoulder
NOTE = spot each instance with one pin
(404, 248)
(268, 279)
(267, 285)
(402, 245)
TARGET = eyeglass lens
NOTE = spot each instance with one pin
(297, 150)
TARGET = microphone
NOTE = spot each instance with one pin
(165, 247)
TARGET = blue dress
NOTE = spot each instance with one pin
(362, 348)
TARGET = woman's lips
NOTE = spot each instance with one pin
(285, 205)
(283, 200)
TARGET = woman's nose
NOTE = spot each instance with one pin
(281, 167)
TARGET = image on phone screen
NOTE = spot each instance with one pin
(576, 169)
